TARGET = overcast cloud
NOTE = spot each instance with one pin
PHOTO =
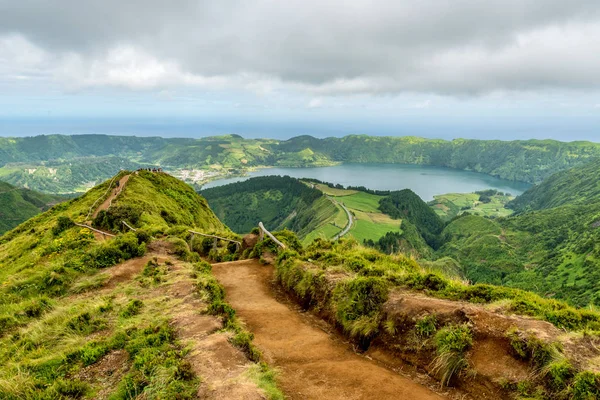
(452, 48)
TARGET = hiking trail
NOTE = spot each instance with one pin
(113, 194)
(313, 363)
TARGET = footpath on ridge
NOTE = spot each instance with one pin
(114, 193)
(313, 364)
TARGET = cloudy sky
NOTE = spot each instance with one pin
(495, 68)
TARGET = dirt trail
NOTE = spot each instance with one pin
(222, 368)
(114, 193)
(313, 364)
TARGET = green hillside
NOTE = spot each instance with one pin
(68, 176)
(487, 203)
(405, 204)
(574, 186)
(279, 202)
(18, 205)
(54, 163)
(551, 249)
(65, 314)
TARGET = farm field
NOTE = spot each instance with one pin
(449, 205)
(370, 223)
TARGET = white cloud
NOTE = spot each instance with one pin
(423, 104)
(315, 103)
(339, 48)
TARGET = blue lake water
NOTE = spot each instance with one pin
(426, 181)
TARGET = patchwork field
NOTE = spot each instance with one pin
(449, 205)
(369, 223)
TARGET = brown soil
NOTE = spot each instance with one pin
(114, 193)
(249, 241)
(486, 322)
(106, 373)
(314, 364)
(222, 368)
(126, 270)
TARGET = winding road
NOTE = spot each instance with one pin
(350, 220)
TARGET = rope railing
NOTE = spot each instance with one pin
(264, 231)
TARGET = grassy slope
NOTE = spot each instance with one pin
(351, 285)
(18, 205)
(370, 222)
(574, 186)
(166, 201)
(276, 201)
(552, 252)
(373, 225)
(48, 334)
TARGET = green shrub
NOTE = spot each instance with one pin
(358, 305)
(452, 342)
(7, 322)
(112, 218)
(37, 307)
(586, 386)
(533, 349)
(133, 308)
(426, 326)
(62, 224)
(559, 374)
(85, 324)
(72, 389)
(92, 352)
(243, 341)
(109, 253)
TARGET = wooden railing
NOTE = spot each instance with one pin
(264, 231)
(95, 230)
(127, 225)
(216, 238)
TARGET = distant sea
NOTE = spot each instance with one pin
(580, 129)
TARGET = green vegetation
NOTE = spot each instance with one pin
(158, 201)
(407, 205)
(369, 226)
(298, 274)
(576, 186)
(550, 249)
(65, 176)
(452, 342)
(362, 201)
(276, 201)
(450, 205)
(351, 285)
(62, 164)
(18, 205)
(57, 329)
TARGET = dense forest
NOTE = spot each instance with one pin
(529, 161)
(406, 205)
(276, 201)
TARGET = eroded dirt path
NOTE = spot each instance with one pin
(114, 193)
(221, 367)
(313, 364)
